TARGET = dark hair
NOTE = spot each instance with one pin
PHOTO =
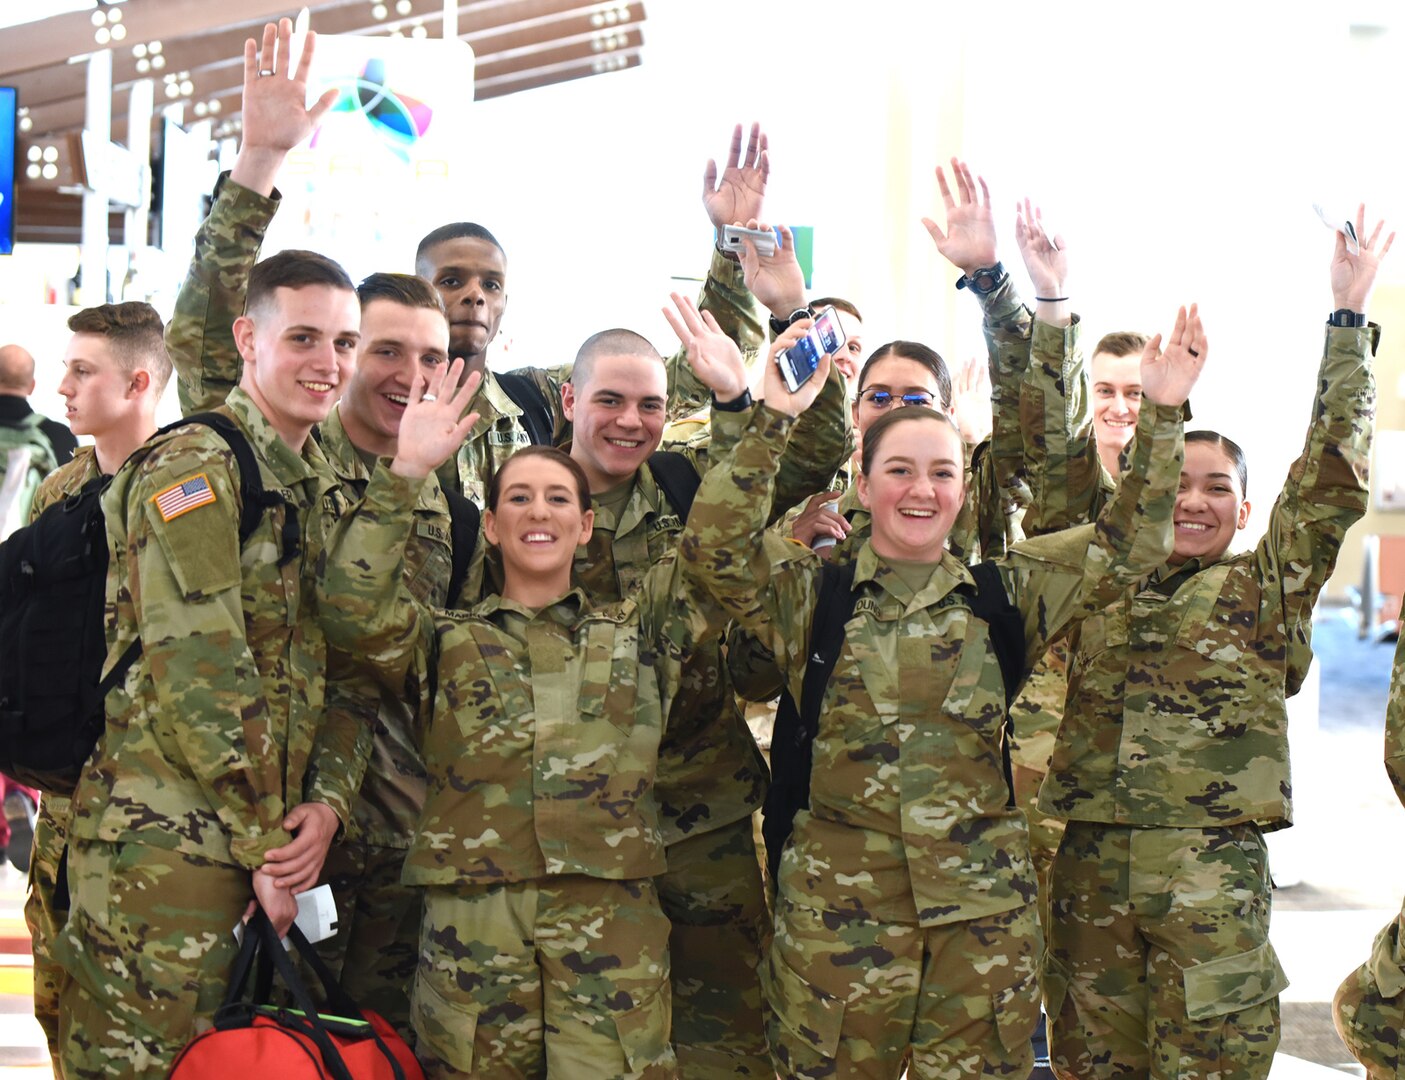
(873, 437)
(1230, 449)
(551, 454)
(912, 350)
(455, 230)
(836, 302)
(134, 334)
(616, 342)
(407, 290)
(1121, 343)
(292, 269)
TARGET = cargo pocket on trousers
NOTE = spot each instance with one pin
(1232, 983)
(443, 1027)
(643, 1031)
(1016, 1014)
(807, 1012)
(1054, 984)
(155, 998)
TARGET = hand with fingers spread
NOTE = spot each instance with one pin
(969, 240)
(741, 191)
(1168, 377)
(970, 401)
(775, 392)
(775, 280)
(275, 115)
(433, 425)
(1354, 275)
(713, 355)
(1046, 262)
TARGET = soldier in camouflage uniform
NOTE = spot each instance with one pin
(904, 923)
(216, 750)
(710, 773)
(116, 367)
(544, 949)
(1369, 1008)
(1172, 757)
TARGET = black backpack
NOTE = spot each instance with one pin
(796, 727)
(536, 413)
(53, 638)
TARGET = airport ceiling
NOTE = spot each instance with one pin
(193, 51)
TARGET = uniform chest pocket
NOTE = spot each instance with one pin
(430, 563)
(1220, 616)
(610, 671)
(968, 681)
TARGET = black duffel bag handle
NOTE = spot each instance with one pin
(262, 945)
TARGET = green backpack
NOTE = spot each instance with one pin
(26, 457)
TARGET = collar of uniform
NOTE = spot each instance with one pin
(283, 461)
(339, 450)
(1166, 573)
(566, 610)
(949, 573)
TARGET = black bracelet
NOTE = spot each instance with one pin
(1052, 299)
(738, 404)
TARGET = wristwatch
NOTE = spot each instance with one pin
(737, 404)
(780, 326)
(984, 281)
(1346, 317)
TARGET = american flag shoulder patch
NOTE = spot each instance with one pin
(190, 493)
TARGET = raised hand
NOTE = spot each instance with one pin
(275, 115)
(739, 195)
(433, 425)
(1047, 264)
(779, 396)
(776, 280)
(1168, 377)
(970, 401)
(1354, 275)
(713, 355)
(969, 240)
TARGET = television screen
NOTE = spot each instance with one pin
(8, 104)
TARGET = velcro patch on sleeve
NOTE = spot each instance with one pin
(190, 494)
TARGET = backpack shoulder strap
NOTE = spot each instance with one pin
(464, 520)
(991, 604)
(833, 608)
(678, 479)
(528, 396)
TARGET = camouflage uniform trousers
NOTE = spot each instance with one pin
(1369, 1008)
(563, 977)
(148, 947)
(855, 998)
(714, 897)
(376, 947)
(1159, 962)
(45, 912)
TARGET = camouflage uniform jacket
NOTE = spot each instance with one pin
(1387, 961)
(542, 728)
(1395, 723)
(908, 819)
(217, 731)
(710, 772)
(1176, 709)
(392, 793)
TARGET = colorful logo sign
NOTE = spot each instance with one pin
(398, 119)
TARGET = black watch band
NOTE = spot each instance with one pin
(740, 404)
(984, 281)
(780, 326)
(1347, 317)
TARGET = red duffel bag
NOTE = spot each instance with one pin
(256, 1040)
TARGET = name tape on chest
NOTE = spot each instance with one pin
(190, 494)
(515, 437)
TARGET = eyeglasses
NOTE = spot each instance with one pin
(881, 399)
